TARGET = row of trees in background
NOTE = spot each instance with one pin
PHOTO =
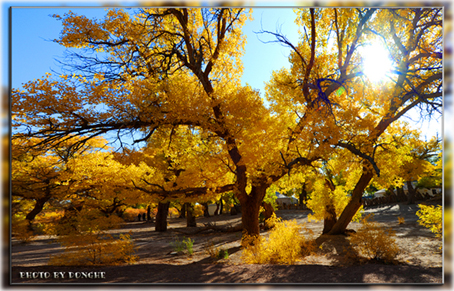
(169, 79)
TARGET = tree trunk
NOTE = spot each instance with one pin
(330, 218)
(161, 216)
(354, 204)
(190, 218)
(221, 207)
(303, 195)
(411, 193)
(269, 210)
(400, 194)
(216, 212)
(183, 210)
(330, 212)
(149, 212)
(206, 213)
(250, 205)
(39, 205)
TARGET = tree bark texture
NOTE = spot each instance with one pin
(39, 205)
(269, 210)
(161, 216)
(183, 210)
(250, 209)
(149, 213)
(190, 218)
(330, 212)
(411, 193)
(354, 204)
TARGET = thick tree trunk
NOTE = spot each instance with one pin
(221, 208)
(411, 193)
(250, 205)
(190, 218)
(161, 216)
(354, 204)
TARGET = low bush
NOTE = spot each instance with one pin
(185, 244)
(93, 249)
(373, 242)
(21, 229)
(283, 246)
(86, 241)
(216, 253)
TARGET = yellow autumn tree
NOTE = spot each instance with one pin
(164, 69)
(326, 81)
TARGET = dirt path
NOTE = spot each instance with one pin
(421, 260)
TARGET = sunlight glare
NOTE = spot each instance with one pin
(376, 62)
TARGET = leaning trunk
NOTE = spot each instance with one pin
(37, 209)
(190, 218)
(161, 216)
(355, 203)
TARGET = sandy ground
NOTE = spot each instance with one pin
(420, 259)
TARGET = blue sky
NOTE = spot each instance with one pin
(33, 52)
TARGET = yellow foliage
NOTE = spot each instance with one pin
(94, 249)
(284, 245)
(21, 229)
(322, 196)
(432, 218)
(130, 214)
(374, 242)
(401, 220)
(86, 242)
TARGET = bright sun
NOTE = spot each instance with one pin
(376, 62)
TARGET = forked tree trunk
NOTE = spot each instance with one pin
(190, 218)
(355, 203)
(250, 205)
(161, 216)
